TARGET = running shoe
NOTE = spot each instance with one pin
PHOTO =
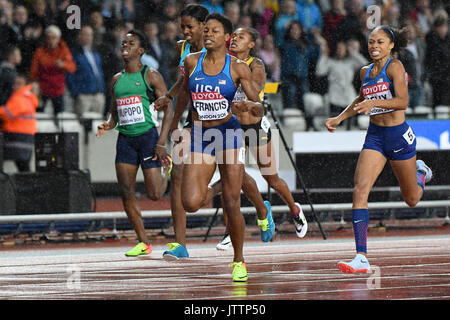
(267, 225)
(301, 225)
(175, 252)
(239, 271)
(140, 249)
(167, 170)
(421, 166)
(225, 243)
(359, 264)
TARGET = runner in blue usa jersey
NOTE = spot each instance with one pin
(384, 96)
(211, 80)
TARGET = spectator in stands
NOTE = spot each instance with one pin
(41, 13)
(232, 11)
(109, 51)
(8, 72)
(261, 16)
(18, 123)
(331, 21)
(32, 38)
(437, 61)
(20, 19)
(169, 14)
(288, 13)
(392, 17)
(271, 57)
(351, 27)
(86, 84)
(50, 63)
(151, 31)
(422, 15)
(169, 65)
(213, 6)
(8, 36)
(309, 15)
(340, 68)
(412, 58)
(296, 54)
(96, 21)
(119, 9)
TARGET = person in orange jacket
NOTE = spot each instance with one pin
(19, 124)
(50, 63)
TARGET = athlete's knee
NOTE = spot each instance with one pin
(272, 180)
(360, 193)
(154, 195)
(411, 201)
(191, 204)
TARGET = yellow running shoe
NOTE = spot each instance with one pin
(140, 249)
(166, 170)
(239, 271)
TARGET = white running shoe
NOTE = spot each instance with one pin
(359, 264)
(301, 225)
(225, 243)
(421, 166)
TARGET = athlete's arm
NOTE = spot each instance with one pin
(175, 89)
(397, 73)
(157, 81)
(348, 112)
(112, 121)
(245, 77)
(259, 76)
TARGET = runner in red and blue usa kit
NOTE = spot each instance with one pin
(216, 137)
(211, 99)
(383, 96)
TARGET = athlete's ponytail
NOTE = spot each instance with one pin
(398, 36)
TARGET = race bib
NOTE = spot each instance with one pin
(409, 136)
(209, 105)
(130, 110)
(379, 91)
(265, 124)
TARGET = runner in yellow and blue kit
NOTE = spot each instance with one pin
(138, 144)
(192, 23)
(384, 96)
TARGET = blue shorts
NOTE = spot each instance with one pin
(395, 143)
(138, 150)
(227, 135)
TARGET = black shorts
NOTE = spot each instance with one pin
(138, 150)
(254, 135)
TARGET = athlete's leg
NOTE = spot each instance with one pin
(176, 205)
(231, 173)
(267, 165)
(251, 191)
(126, 177)
(196, 176)
(406, 173)
(155, 183)
(369, 166)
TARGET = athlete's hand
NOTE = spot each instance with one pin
(162, 155)
(365, 106)
(332, 123)
(102, 128)
(240, 106)
(162, 102)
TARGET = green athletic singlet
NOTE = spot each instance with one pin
(134, 98)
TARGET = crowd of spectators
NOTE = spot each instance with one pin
(308, 46)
